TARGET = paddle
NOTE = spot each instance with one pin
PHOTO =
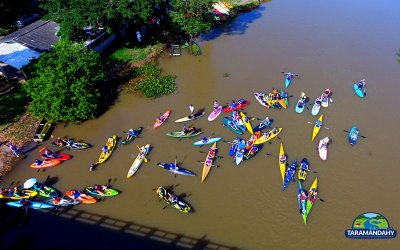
(358, 135)
(140, 152)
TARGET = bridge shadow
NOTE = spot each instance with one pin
(77, 229)
(236, 26)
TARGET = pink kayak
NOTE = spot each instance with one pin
(215, 114)
(323, 148)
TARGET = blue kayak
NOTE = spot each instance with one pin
(301, 104)
(262, 126)
(359, 92)
(353, 135)
(173, 168)
(288, 79)
(233, 127)
(32, 204)
(240, 152)
(290, 172)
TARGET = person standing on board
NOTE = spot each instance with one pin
(191, 109)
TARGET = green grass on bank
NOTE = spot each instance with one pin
(131, 55)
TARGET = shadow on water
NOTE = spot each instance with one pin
(77, 229)
(236, 26)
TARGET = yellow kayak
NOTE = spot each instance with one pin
(8, 193)
(246, 122)
(111, 142)
(208, 162)
(317, 127)
(282, 162)
(267, 136)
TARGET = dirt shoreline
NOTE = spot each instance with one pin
(21, 132)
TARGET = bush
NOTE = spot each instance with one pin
(195, 49)
(150, 70)
(156, 87)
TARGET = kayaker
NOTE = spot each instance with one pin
(254, 149)
(275, 131)
(60, 142)
(99, 189)
(38, 186)
(233, 104)
(105, 149)
(173, 199)
(241, 101)
(361, 84)
(191, 109)
(15, 150)
(24, 203)
(92, 166)
(204, 139)
(131, 133)
(38, 162)
(282, 158)
(49, 154)
(70, 143)
(17, 191)
(76, 194)
(318, 123)
(215, 105)
(231, 123)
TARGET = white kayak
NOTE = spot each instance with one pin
(323, 148)
(317, 106)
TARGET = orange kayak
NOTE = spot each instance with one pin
(162, 119)
(46, 164)
(84, 198)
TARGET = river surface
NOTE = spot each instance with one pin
(330, 44)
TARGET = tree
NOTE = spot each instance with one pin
(64, 84)
(192, 16)
(74, 15)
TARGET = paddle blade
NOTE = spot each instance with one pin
(42, 149)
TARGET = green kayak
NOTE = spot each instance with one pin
(180, 134)
(106, 191)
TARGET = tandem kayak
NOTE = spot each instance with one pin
(8, 193)
(59, 157)
(162, 119)
(208, 162)
(323, 148)
(209, 141)
(32, 204)
(173, 200)
(216, 112)
(130, 138)
(45, 191)
(107, 192)
(246, 122)
(143, 151)
(359, 92)
(46, 164)
(282, 162)
(240, 152)
(262, 125)
(82, 197)
(261, 97)
(302, 200)
(232, 127)
(353, 135)
(290, 172)
(180, 134)
(311, 197)
(250, 154)
(317, 127)
(268, 136)
(252, 140)
(70, 144)
(191, 117)
(173, 168)
(111, 143)
(239, 105)
(303, 169)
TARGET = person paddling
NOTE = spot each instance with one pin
(131, 133)
(361, 84)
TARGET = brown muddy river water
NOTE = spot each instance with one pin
(330, 44)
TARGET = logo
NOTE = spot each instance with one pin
(370, 226)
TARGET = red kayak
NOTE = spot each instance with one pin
(239, 105)
(59, 157)
(46, 164)
(84, 198)
(162, 119)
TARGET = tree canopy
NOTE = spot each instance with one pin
(74, 15)
(64, 84)
(192, 16)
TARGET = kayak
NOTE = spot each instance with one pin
(317, 127)
(301, 104)
(180, 134)
(173, 200)
(232, 128)
(173, 168)
(239, 105)
(209, 141)
(72, 145)
(353, 135)
(317, 106)
(324, 100)
(24, 194)
(302, 200)
(267, 136)
(60, 157)
(240, 153)
(45, 191)
(359, 92)
(260, 97)
(220, 9)
(209, 160)
(237, 119)
(125, 141)
(234, 146)
(311, 197)
(42, 130)
(107, 191)
(284, 96)
(246, 122)
(249, 155)
(323, 148)
(84, 198)
(216, 112)
(282, 165)
(62, 202)
(262, 125)
(288, 79)
(290, 172)
(253, 138)
(32, 204)
(303, 169)
(46, 164)
(162, 119)
(111, 142)
(144, 150)
(191, 117)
